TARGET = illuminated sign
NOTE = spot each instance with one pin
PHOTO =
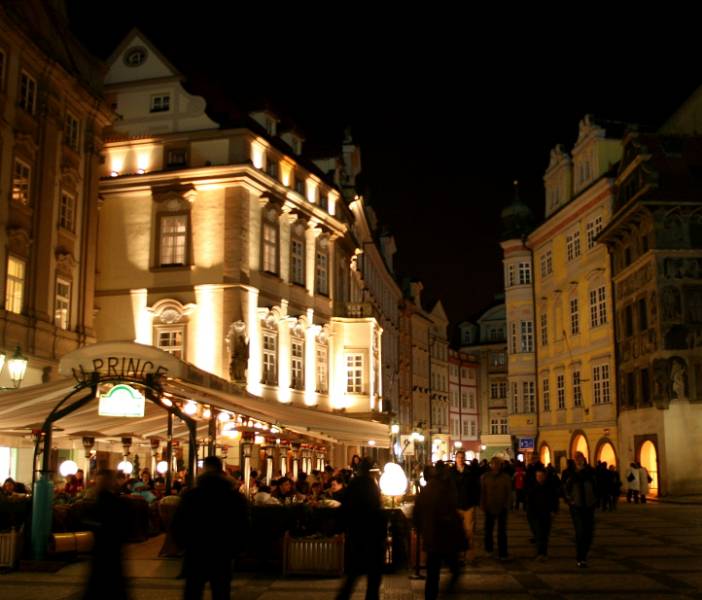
(526, 443)
(121, 401)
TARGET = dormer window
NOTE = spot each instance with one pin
(177, 157)
(300, 185)
(272, 168)
(270, 126)
(160, 103)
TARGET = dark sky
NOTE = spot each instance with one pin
(449, 109)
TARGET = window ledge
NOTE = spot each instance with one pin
(166, 268)
(66, 232)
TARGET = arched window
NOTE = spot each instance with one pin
(170, 326)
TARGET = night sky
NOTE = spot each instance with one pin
(448, 110)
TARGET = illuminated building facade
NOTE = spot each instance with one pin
(464, 407)
(573, 327)
(232, 251)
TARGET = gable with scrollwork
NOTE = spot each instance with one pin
(18, 241)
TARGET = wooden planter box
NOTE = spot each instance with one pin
(313, 555)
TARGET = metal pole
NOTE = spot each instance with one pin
(192, 454)
(43, 500)
(212, 434)
(169, 453)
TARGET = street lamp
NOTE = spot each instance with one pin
(16, 365)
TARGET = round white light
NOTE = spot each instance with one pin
(371, 442)
(458, 444)
(190, 408)
(483, 447)
(520, 457)
(470, 455)
(126, 467)
(223, 417)
(68, 467)
(422, 481)
(162, 466)
(393, 481)
(394, 429)
(420, 438)
(259, 439)
(166, 402)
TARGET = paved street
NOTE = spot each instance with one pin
(653, 550)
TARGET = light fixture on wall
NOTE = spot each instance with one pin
(16, 365)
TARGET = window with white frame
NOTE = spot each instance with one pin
(71, 132)
(546, 393)
(560, 391)
(14, 285)
(527, 338)
(170, 339)
(471, 399)
(272, 167)
(494, 426)
(455, 431)
(513, 338)
(573, 245)
(297, 260)
(497, 359)
(173, 243)
(297, 364)
(67, 211)
(592, 230)
(577, 391)
(546, 263)
(465, 427)
(529, 396)
(300, 185)
(504, 426)
(322, 269)
(510, 276)
(27, 93)
(454, 399)
(62, 303)
(473, 428)
(21, 180)
(270, 358)
(270, 244)
(515, 398)
(524, 273)
(354, 373)
(160, 103)
(544, 328)
(600, 384)
(598, 306)
(322, 368)
(464, 400)
(574, 317)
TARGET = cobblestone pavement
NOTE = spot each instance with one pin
(652, 551)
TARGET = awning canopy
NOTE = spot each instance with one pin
(27, 408)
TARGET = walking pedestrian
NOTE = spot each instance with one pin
(615, 487)
(633, 483)
(580, 492)
(541, 507)
(362, 515)
(437, 520)
(644, 482)
(211, 524)
(495, 500)
(466, 479)
(520, 491)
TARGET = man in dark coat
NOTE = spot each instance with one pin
(107, 518)
(365, 525)
(210, 524)
(580, 492)
(466, 478)
(437, 520)
(495, 500)
(541, 506)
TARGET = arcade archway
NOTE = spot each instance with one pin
(579, 444)
(545, 455)
(607, 454)
(648, 457)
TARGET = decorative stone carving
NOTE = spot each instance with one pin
(18, 241)
(238, 344)
(682, 268)
(636, 281)
(65, 263)
(678, 378)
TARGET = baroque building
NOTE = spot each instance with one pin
(573, 333)
(225, 246)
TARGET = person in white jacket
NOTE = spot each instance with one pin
(633, 483)
(644, 478)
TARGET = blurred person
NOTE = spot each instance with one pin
(633, 483)
(9, 487)
(645, 481)
(580, 493)
(466, 479)
(615, 488)
(495, 500)
(337, 488)
(541, 507)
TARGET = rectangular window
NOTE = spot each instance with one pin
(454, 399)
(544, 329)
(504, 426)
(272, 168)
(497, 359)
(322, 378)
(574, 317)
(28, 93)
(510, 276)
(600, 384)
(21, 178)
(177, 157)
(546, 389)
(300, 185)
(643, 315)
(322, 272)
(577, 392)
(270, 357)
(502, 389)
(529, 396)
(472, 429)
(593, 229)
(560, 391)
(67, 209)
(170, 339)
(598, 306)
(546, 263)
(160, 103)
(14, 287)
(62, 308)
(573, 245)
(527, 336)
(354, 373)
(270, 248)
(515, 398)
(297, 261)
(297, 365)
(464, 400)
(513, 338)
(173, 242)
(524, 273)
(464, 428)
(471, 400)
(72, 132)
(494, 426)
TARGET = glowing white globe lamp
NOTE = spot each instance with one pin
(162, 466)
(68, 467)
(126, 467)
(393, 481)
